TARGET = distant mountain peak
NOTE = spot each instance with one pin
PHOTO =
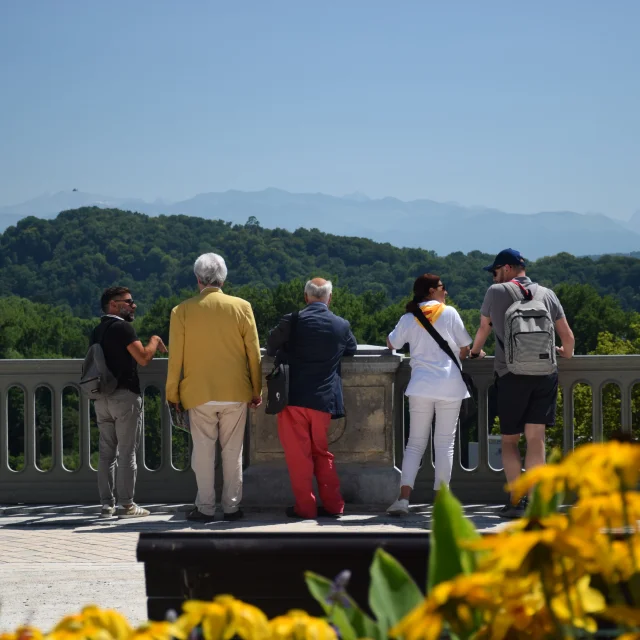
(357, 196)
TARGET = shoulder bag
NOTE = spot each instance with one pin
(278, 379)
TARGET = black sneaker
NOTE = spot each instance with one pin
(236, 515)
(323, 513)
(198, 516)
(514, 511)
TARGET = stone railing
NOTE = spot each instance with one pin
(368, 443)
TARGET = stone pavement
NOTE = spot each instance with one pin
(55, 559)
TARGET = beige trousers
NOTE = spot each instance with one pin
(208, 424)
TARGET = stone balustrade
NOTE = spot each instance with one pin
(368, 443)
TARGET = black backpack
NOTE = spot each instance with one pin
(97, 382)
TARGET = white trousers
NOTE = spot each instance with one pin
(421, 411)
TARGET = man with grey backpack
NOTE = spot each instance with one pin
(110, 377)
(525, 317)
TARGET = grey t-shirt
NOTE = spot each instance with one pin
(496, 302)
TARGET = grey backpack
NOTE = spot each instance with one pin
(529, 333)
(97, 381)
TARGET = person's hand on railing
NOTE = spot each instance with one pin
(564, 354)
(256, 401)
(480, 354)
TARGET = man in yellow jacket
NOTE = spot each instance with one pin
(214, 373)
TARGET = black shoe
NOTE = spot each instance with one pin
(291, 513)
(198, 516)
(323, 513)
(514, 511)
(236, 515)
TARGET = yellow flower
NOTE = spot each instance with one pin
(112, 621)
(572, 606)
(224, 618)
(629, 636)
(446, 602)
(23, 633)
(298, 625)
(613, 558)
(599, 466)
(158, 631)
(607, 511)
(529, 544)
(522, 609)
(549, 478)
(76, 627)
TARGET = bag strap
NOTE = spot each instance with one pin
(435, 334)
(293, 331)
(104, 331)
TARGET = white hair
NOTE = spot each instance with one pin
(210, 269)
(321, 293)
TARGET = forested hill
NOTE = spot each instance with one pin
(72, 258)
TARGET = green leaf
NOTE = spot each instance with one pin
(538, 508)
(392, 592)
(450, 526)
(352, 622)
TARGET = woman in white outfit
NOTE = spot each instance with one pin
(435, 386)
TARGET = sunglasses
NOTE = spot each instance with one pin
(494, 271)
(442, 286)
(129, 301)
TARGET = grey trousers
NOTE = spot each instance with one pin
(208, 423)
(120, 425)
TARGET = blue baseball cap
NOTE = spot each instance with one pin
(506, 256)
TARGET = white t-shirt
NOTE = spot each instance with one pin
(433, 374)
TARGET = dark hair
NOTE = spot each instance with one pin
(421, 288)
(109, 294)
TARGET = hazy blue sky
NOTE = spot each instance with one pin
(524, 106)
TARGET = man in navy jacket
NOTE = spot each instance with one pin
(313, 349)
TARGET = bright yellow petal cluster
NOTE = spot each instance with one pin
(23, 633)
(159, 631)
(225, 618)
(594, 469)
(452, 601)
(298, 625)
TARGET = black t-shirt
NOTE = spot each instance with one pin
(115, 336)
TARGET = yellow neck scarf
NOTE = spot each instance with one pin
(432, 311)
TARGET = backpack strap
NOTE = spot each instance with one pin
(518, 291)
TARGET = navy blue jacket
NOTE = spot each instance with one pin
(321, 340)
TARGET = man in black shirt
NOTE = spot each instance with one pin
(119, 415)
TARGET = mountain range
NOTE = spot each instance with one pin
(442, 227)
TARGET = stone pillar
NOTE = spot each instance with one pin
(363, 442)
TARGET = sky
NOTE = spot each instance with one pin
(522, 106)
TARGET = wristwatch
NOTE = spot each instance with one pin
(473, 355)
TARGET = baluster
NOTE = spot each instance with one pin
(626, 411)
(4, 432)
(568, 440)
(56, 428)
(30, 429)
(85, 433)
(483, 427)
(166, 460)
(596, 428)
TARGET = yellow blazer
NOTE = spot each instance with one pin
(214, 353)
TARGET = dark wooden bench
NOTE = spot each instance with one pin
(266, 569)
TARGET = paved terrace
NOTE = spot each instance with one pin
(55, 559)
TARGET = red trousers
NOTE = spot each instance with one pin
(303, 435)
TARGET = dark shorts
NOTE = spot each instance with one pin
(526, 400)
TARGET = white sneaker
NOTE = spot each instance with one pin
(399, 508)
(107, 511)
(132, 511)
